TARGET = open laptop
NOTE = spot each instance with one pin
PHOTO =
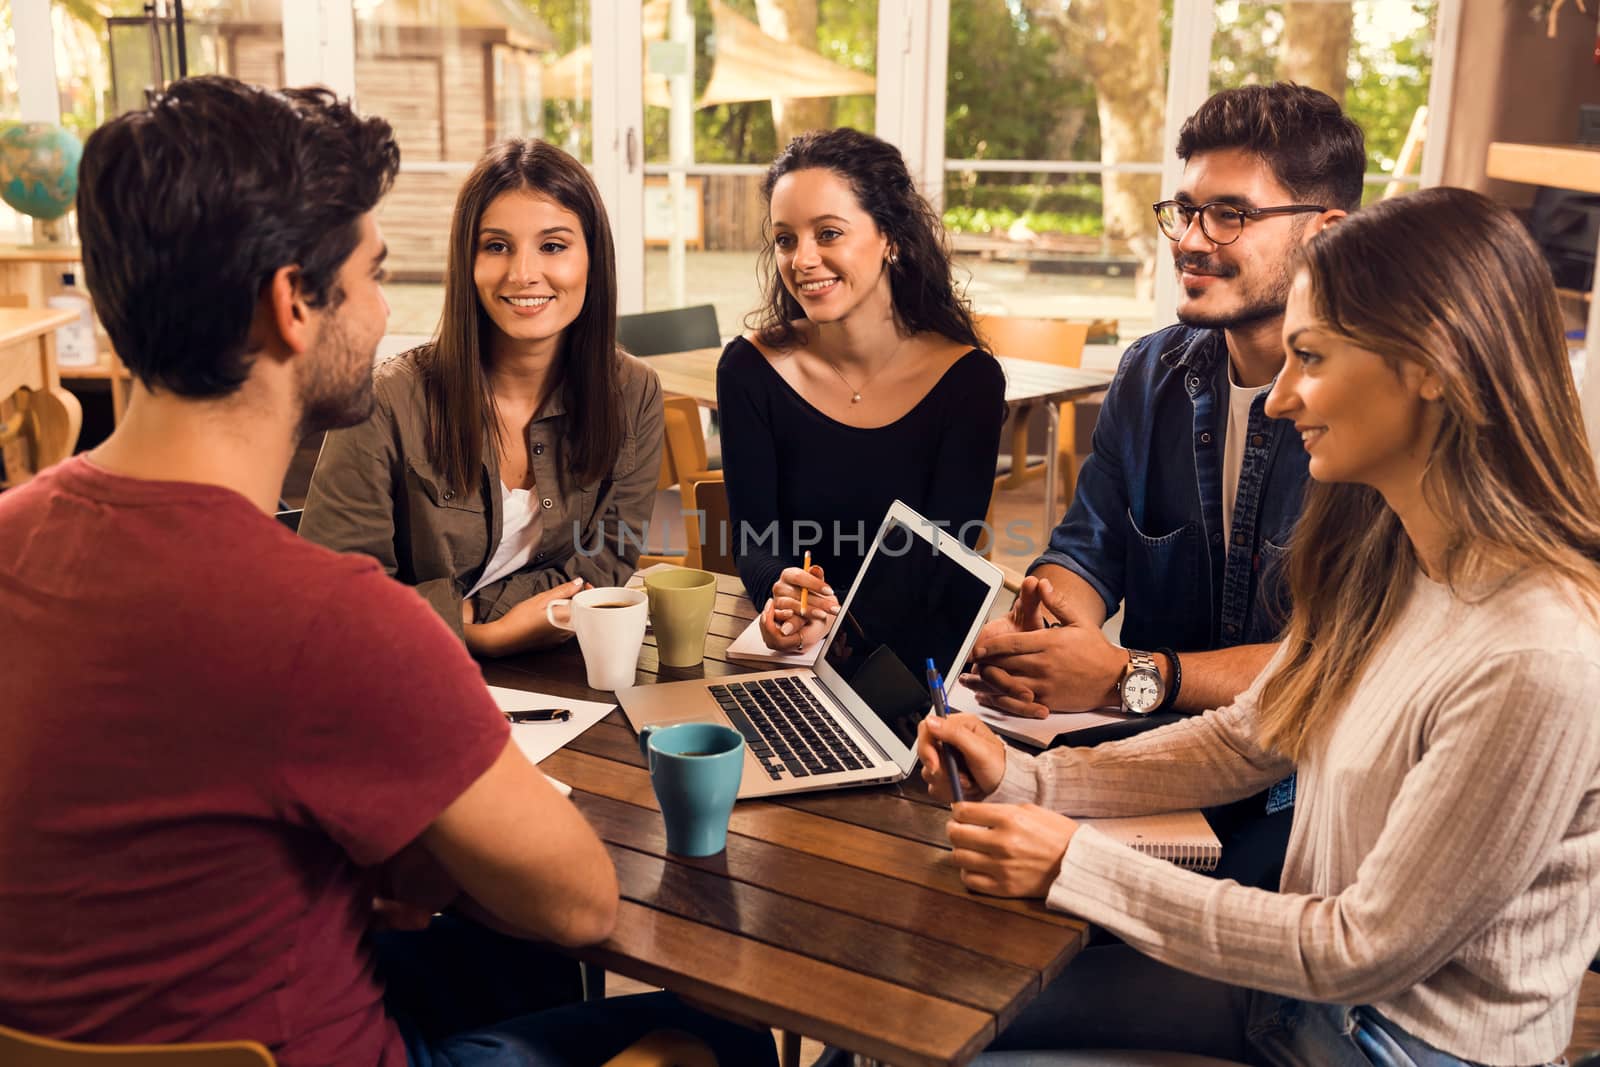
(852, 720)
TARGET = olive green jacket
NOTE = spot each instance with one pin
(375, 491)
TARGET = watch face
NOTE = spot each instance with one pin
(1141, 692)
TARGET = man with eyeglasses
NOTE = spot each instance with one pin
(1185, 505)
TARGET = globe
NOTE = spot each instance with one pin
(39, 168)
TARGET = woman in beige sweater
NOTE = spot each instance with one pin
(1435, 691)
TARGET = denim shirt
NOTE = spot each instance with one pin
(1145, 527)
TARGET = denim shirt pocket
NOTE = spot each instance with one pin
(1164, 570)
(1273, 604)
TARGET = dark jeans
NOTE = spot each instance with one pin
(1115, 998)
(1253, 842)
(464, 996)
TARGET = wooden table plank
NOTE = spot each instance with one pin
(709, 898)
(936, 916)
(694, 374)
(836, 914)
(854, 1011)
(908, 861)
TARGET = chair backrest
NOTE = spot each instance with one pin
(18, 1049)
(654, 333)
(708, 497)
(1041, 340)
(685, 446)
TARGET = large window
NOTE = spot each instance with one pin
(1054, 117)
(725, 88)
(1053, 144)
(1376, 56)
(453, 78)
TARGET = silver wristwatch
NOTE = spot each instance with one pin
(1141, 688)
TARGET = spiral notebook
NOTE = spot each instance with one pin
(1181, 837)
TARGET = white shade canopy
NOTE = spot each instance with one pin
(747, 64)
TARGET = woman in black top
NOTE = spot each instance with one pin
(863, 382)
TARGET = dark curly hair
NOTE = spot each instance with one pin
(186, 211)
(924, 297)
(1315, 150)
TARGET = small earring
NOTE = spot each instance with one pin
(894, 257)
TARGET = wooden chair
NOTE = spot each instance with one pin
(683, 462)
(18, 1049)
(712, 549)
(662, 1048)
(654, 333)
(1054, 341)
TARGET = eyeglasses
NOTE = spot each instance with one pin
(1221, 223)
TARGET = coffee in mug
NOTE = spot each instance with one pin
(610, 627)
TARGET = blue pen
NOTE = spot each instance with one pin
(949, 757)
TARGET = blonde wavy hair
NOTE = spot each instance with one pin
(1447, 279)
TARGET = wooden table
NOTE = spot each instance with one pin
(28, 359)
(1028, 383)
(835, 915)
(33, 272)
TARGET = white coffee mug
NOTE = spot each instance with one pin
(610, 627)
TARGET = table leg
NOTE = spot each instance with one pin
(1052, 423)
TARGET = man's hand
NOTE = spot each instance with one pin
(1030, 672)
(1009, 850)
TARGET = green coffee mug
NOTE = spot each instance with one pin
(680, 611)
(695, 770)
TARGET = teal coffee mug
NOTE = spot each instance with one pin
(695, 768)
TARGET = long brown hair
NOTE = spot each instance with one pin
(923, 296)
(1447, 279)
(460, 405)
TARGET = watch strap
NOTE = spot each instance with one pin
(1176, 683)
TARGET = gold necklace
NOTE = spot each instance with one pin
(855, 393)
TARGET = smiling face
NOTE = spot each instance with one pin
(1233, 285)
(1361, 418)
(830, 254)
(531, 267)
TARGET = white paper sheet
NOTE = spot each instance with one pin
(539, 740)
(1035, 732)
(750, 647)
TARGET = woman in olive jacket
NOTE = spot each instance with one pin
(514, 459)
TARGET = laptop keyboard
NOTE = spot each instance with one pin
(787, 729)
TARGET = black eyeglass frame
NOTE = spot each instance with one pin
(1198, 211)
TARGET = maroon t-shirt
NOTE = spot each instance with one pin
(210, 731)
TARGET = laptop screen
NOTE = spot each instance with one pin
(909, 604)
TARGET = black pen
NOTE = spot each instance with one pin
(949, 757)
(539, 715)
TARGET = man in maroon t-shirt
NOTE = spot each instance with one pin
(220, 743)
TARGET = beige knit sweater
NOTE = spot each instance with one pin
(1446, 845)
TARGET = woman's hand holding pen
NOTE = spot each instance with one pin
(783, 625)
(983, 753)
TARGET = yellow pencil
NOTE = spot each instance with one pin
(803, 591)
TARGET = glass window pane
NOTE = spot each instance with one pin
(747, 61)
(1079, 91)
(1376, 56)
(453, 78)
